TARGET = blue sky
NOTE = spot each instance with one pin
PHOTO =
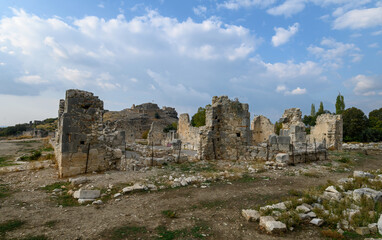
(271, 54)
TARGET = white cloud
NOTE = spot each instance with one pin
(288, 8)
(332, 53)
(200, 10)
(236, 4)
(31, 79)
(376, 33)
(297, 91)
(359, 19)
(291, 70)
(78, 77)
(283, 35)
(101, 5)
(366, 85)
(281, 88)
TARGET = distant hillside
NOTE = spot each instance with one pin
(49, 125)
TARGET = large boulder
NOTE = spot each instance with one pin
(362, 174)
(368, 192)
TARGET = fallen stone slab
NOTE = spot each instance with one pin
(271, 225)
(317, 221)
(282, 158)
(87, 194)
(250, 215)
(302, 209)
(368, 192)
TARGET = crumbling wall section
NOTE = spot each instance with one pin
(189, 135)
(156, 135)
(227, 132)
(83, 143)
(292, 125)
(261, 128)
(329, 128)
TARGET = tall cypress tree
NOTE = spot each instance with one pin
(340, 104)
(321, 109)
(313, 110)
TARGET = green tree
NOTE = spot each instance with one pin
(199, 118)
(340, 104)
(313, 110)
(321, 109)
(375, 119)
(355, 124)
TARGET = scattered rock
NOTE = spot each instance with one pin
(250, 215)
(373, 227)
(82, 200)
(302, 209)
(280, 206)
(97, 202)
(117, 195)
(362, 230)
(380, 224)
(271, 225)
(362, 174)
(317, 221)
(368, 192)
(87, 194)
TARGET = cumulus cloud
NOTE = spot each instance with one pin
(291, 70)
(236, 4)
(297, 91)
(283, 35)
(288, 8)
(366, 85)
(332, 53)
(359, 19)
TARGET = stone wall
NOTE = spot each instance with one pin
(292, 125)
(329, 128)
(83, 143)
(227, 133)
(189, 135)
(261, 128)
(136, 121)
(156, 135)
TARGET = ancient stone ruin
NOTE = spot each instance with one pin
(90, 138)
(329, 128)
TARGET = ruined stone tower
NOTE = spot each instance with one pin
(83, 144)
(227, 133)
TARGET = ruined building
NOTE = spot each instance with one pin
(136, 121)
(227, 133)
(83, 144)
(90, 138)
(261, 128)
(329, 128)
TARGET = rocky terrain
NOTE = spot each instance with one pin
(191, 200)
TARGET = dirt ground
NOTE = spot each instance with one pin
(213, 212)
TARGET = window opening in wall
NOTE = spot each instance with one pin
(82, 142)
(238, 134)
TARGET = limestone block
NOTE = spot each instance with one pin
(302, 209)
(250, 215)
(87, 194)
(380, 224)
(362, 230)
(317, 221)
(282, 158)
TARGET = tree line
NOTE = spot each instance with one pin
(357, 127)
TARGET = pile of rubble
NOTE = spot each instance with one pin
(354, 204)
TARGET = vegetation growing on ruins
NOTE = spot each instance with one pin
(199, 118)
